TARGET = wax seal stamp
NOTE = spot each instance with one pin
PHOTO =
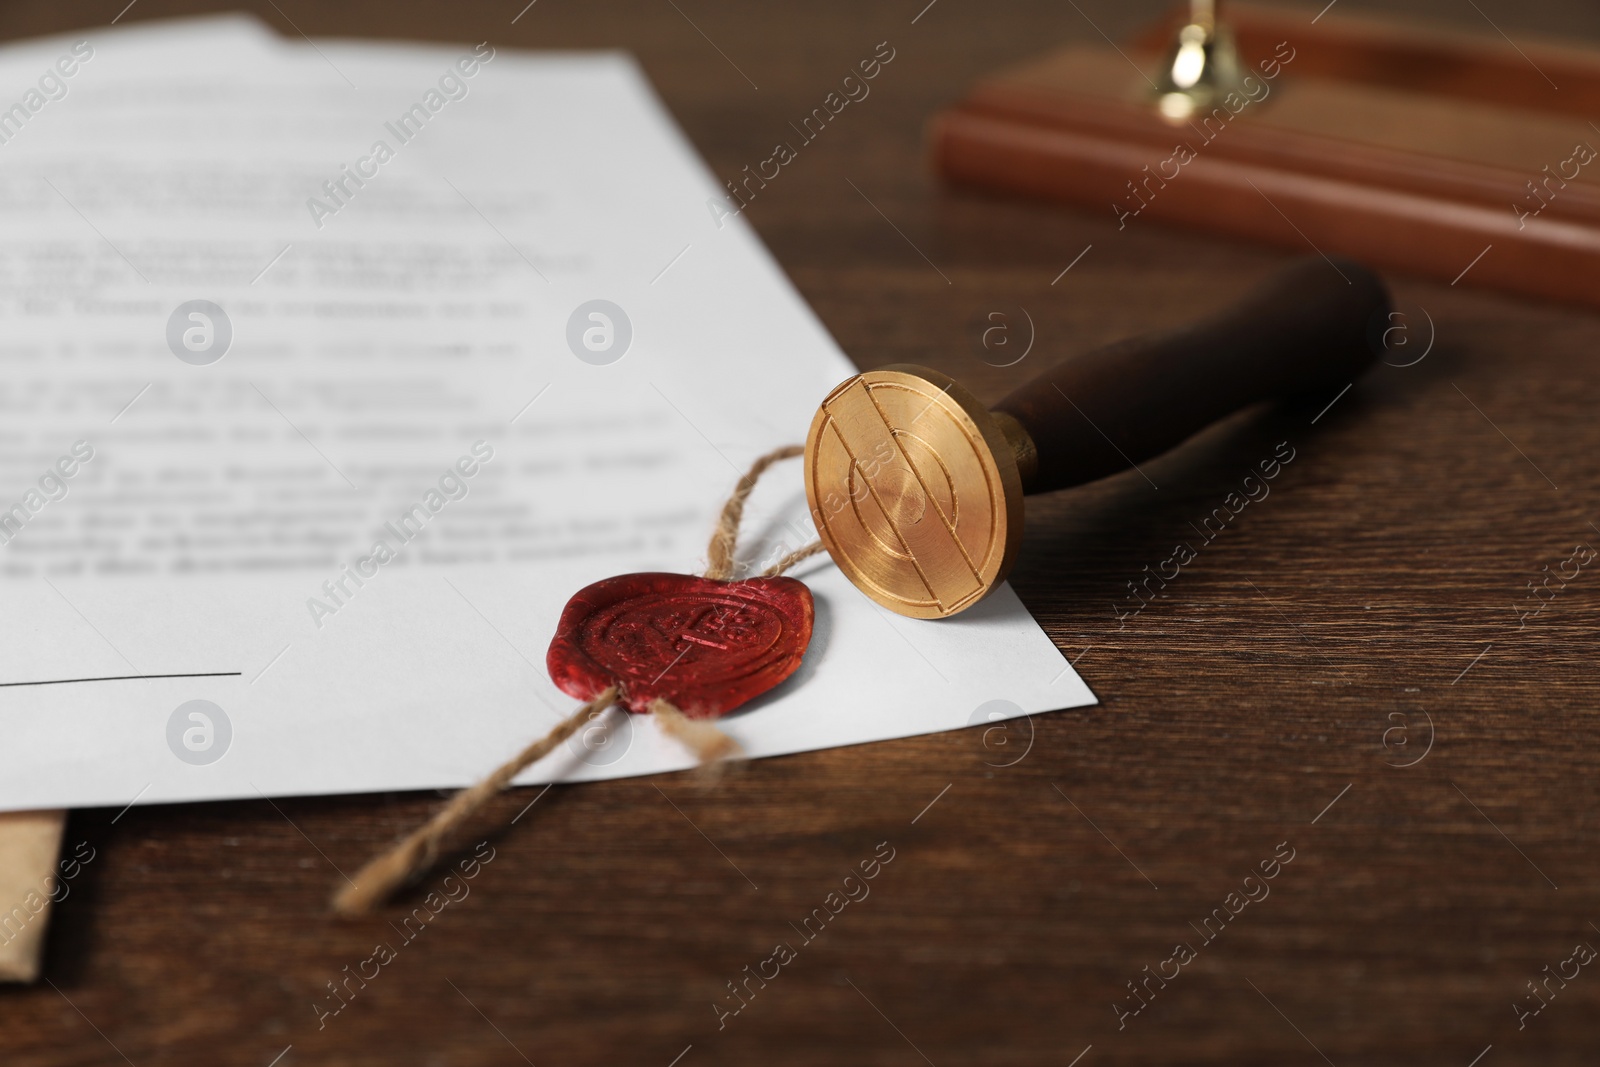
(703, 645)
(916, 488)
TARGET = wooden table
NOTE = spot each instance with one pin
(1266, 703)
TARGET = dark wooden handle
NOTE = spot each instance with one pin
(1306, 328)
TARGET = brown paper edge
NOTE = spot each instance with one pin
(30, 842)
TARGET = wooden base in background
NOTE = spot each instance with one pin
(1416, 150)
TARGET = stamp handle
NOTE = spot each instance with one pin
(1310, 327)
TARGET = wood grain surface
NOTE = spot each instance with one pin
(1265, 704)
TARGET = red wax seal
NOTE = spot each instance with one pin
(703, 645)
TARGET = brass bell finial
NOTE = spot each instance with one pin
(1201, 66)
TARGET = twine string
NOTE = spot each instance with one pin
(409, 858)
(724, 539)
(377, 881)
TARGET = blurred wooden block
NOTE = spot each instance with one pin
(1409, 148)
(29, 844)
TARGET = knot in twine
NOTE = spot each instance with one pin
(406, 861)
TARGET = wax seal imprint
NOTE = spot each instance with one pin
(914, 490)
(705, 646)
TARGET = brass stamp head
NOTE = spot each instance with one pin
(915, 490)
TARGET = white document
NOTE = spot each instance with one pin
(405, 360)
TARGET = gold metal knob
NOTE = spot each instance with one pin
(1201, 66)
